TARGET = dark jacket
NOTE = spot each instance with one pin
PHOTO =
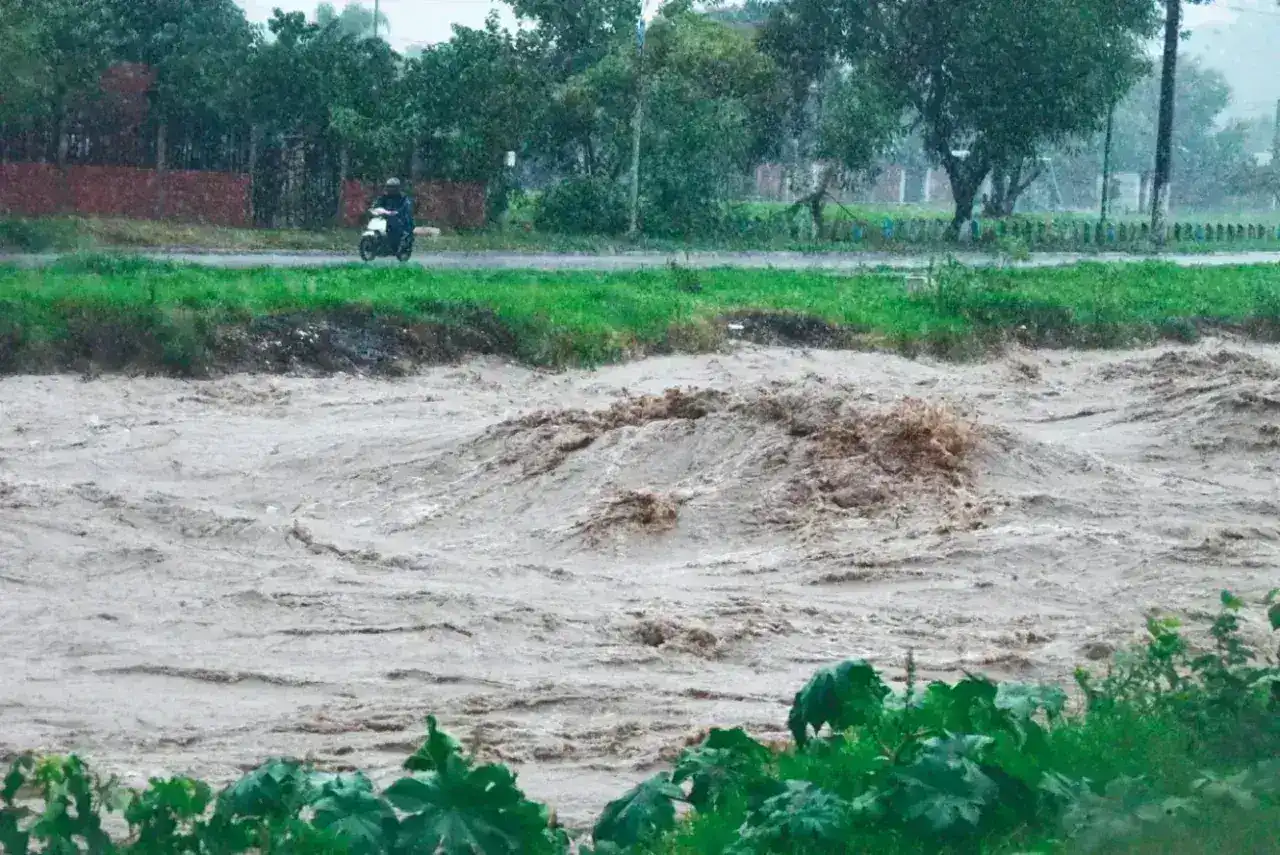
(400, 204)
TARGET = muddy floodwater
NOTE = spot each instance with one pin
(576, 578)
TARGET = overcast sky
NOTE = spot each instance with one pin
(1237, 36)
(412, 21)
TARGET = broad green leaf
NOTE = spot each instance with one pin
(1025, 700)
(1273, 614)
(1272, 596)
(800, 816)
(968, 706)
(349, 809)
(946, 788)
(645, 810)
(1163, 811)
(276, 789)
(19, 771)
(162, 816)
(70, 808)
(13, 840)
(1264, 777)
(457, 809)
(850, 694)
(1231, 601)
(726, 759)
(1231, 789)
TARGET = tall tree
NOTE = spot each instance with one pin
(199, 52)
(473, 99)
(23, 86)
(71, 44)
(714, 105)
(355, 19)
(990, 83)
(578, 33)
(840, 116)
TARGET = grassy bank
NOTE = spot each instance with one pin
(113, 313)
(1175, 750)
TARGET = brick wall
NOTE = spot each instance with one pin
(435, 203)
(37, 189)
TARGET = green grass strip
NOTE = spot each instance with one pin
(571, 318)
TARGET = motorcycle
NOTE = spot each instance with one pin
(374, 242)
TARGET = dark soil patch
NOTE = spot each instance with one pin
(360, 342)
(788, 329)
(188, 343)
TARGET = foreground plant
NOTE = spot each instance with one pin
(1168, 738)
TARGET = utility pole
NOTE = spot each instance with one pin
(637, 124)
(1164, 132)
(1275, 162)
(1106, 163)
(377, 10)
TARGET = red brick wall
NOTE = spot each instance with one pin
(435, 203)
(30, 188)
(111, 191)
(217, 198)
(36, 189)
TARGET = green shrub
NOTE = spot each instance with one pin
(28, 235)
(583, 206)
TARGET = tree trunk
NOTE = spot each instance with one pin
(816, 201)
(1106, 164)
(252, 213)
(63, 140)
(966, 176)
(1164, 135)
(1007, 186)
(162, 142)
(965, 193)
(994, 205)
(344, 168)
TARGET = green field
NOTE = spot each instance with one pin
(1174, 750)
(120, 312)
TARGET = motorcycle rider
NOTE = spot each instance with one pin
(400, 222)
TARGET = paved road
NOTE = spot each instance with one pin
(836, 262)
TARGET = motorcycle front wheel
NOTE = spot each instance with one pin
(368, 248)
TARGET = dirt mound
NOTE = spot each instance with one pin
(631, 511)
(552, 435)
(672, 635)
(808, 446)
(1223, 400)
(1175, 367)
